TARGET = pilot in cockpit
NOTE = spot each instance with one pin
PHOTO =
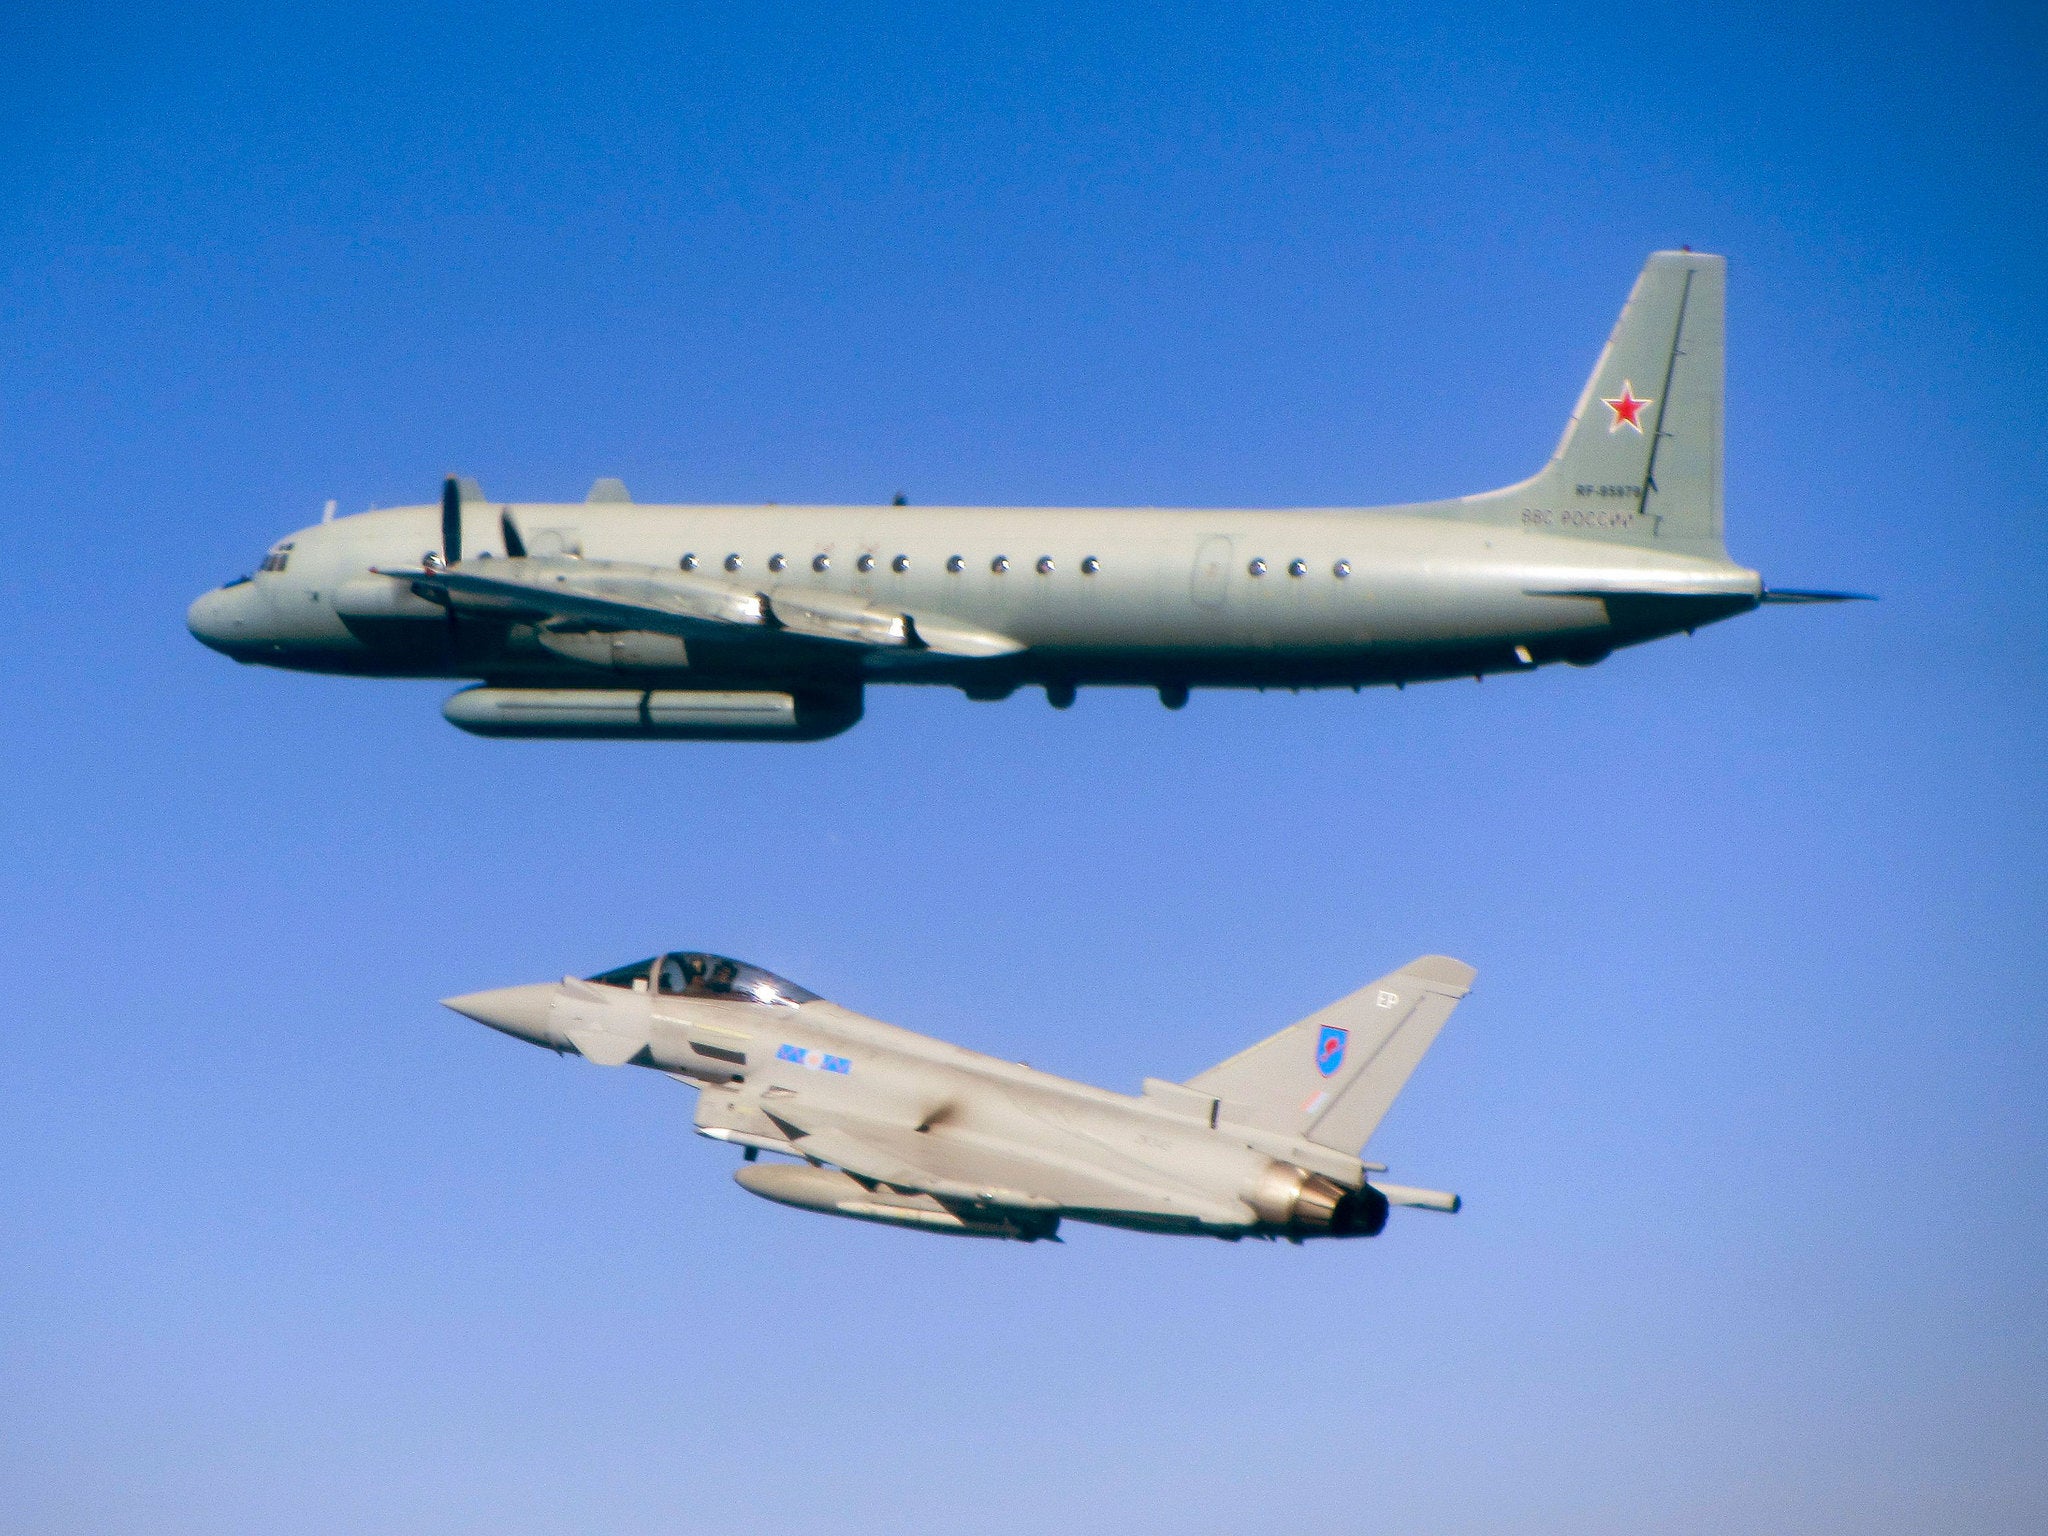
(687, 974)
(678, 972)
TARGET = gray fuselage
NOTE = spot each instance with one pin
(609, 618)
(1095, 596)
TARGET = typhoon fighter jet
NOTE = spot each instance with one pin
(610, 619)
(877, 1123)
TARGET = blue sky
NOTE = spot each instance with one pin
(1749, 1107)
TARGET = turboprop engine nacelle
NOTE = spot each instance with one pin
(834, 1193)
(619, 650)
(1301, 1204)
(696, 714)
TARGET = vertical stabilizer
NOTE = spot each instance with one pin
(1640, 460)
(1332, 1077)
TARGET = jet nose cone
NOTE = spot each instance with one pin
(521, 1012)
(220, 618)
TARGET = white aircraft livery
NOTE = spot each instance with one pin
(609, 619)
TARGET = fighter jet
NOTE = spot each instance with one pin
(877, 1123)
(611, 619)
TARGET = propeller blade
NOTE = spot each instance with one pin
(515, 546)
(451, 520)
(451, 547)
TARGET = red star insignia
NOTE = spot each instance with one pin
(1627, 410)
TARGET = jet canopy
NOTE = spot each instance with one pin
(710, 978)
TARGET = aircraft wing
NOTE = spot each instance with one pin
(1064, 1173)
(646, 597)
(887, 1154)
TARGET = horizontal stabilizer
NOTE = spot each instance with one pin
(1660, 609)
(1734, 583)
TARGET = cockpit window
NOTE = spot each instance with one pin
(276, 559)
(715, 977)
(633, 977)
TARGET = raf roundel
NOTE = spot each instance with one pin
(1330, 1049)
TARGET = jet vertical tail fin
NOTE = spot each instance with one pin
(1331, 1077)
(1640, 460)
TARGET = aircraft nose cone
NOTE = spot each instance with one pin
(220, 619)
(521, 1012)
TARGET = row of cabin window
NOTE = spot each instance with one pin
(1258, 567)
(1001, 563)
(956, 564)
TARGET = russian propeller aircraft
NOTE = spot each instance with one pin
(891, 1126)
(611, 619)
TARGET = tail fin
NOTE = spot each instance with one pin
(1640, 460)
(1332, 1077)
